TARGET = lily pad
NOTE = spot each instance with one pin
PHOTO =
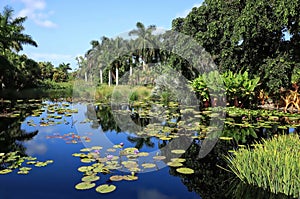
(226, 138)
(130, 177)
(85, 185)
(185, 170)
(24, 172)
(174, 164)
(5, 171)
(178, 160)
(159, 157)
(148, 165)
(143, 154)
(178, 151)
(116, 178)
(86, 150)
(87, 160)
(105, 188)
(85, 168)
(90, 178)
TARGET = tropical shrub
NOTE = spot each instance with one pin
(273, 165)
(238, 87)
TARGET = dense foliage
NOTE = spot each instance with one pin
(259, 36)
(18, 71)
(273, 165)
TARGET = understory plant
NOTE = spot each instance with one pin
(238, 87)
(273, 165)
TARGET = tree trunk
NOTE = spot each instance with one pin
(109, 78)
(130, 71)
(117, 76)
(101, 76)
(85, 76)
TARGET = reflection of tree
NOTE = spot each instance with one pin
(141, 141)
(102, 115)
(11, 134)
(209, 181)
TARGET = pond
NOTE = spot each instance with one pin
(56, 148)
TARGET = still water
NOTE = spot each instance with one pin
(48, 130)
(58, 180)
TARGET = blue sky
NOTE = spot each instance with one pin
(63, 29)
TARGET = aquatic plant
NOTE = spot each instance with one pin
(273, 165)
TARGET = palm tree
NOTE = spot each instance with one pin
(11, 36)
(145, 43)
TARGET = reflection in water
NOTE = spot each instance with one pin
(11, 134)
(209, 180)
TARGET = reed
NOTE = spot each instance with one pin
(273, 165)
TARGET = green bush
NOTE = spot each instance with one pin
(273, 165)
(238, 87)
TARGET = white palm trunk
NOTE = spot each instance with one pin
(117, 76)
(109, 78)
(101, 76)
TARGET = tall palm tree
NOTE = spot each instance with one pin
(144, 41)
(11, 36)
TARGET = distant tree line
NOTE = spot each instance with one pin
(260, 37)
(17, 70)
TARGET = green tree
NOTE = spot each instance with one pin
(11, 31)
(244, 35)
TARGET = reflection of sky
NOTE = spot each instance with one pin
(57, 180)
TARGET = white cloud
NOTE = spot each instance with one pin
(35, 10)
(187, 11)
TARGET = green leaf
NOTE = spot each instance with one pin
(105, 188)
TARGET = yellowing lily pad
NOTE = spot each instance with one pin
(24, 172)
(116, 178)
(87, 160)
(85, 168)
(174, 164)
(130, 177)
(148, 165)
(5, 171)
(105, 188)
(178, 160)
(143, 154)
(159, 157)
(85, 185)
(178, 151)
(86, 150)
(90, 178)
(226, 138)
(185, 170)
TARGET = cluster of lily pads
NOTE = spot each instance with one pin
(69, 138)
(55, 113)
(14, 160)
(129, 161)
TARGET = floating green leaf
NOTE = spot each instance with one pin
(85, 185)
(148, 165)
(185, 170)
(178, 151)
(105, 188)
(90, 178)
(5, 171)
(159, 157)
(116, 178)
(174, 164)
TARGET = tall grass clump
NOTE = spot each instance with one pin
(273, 165)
